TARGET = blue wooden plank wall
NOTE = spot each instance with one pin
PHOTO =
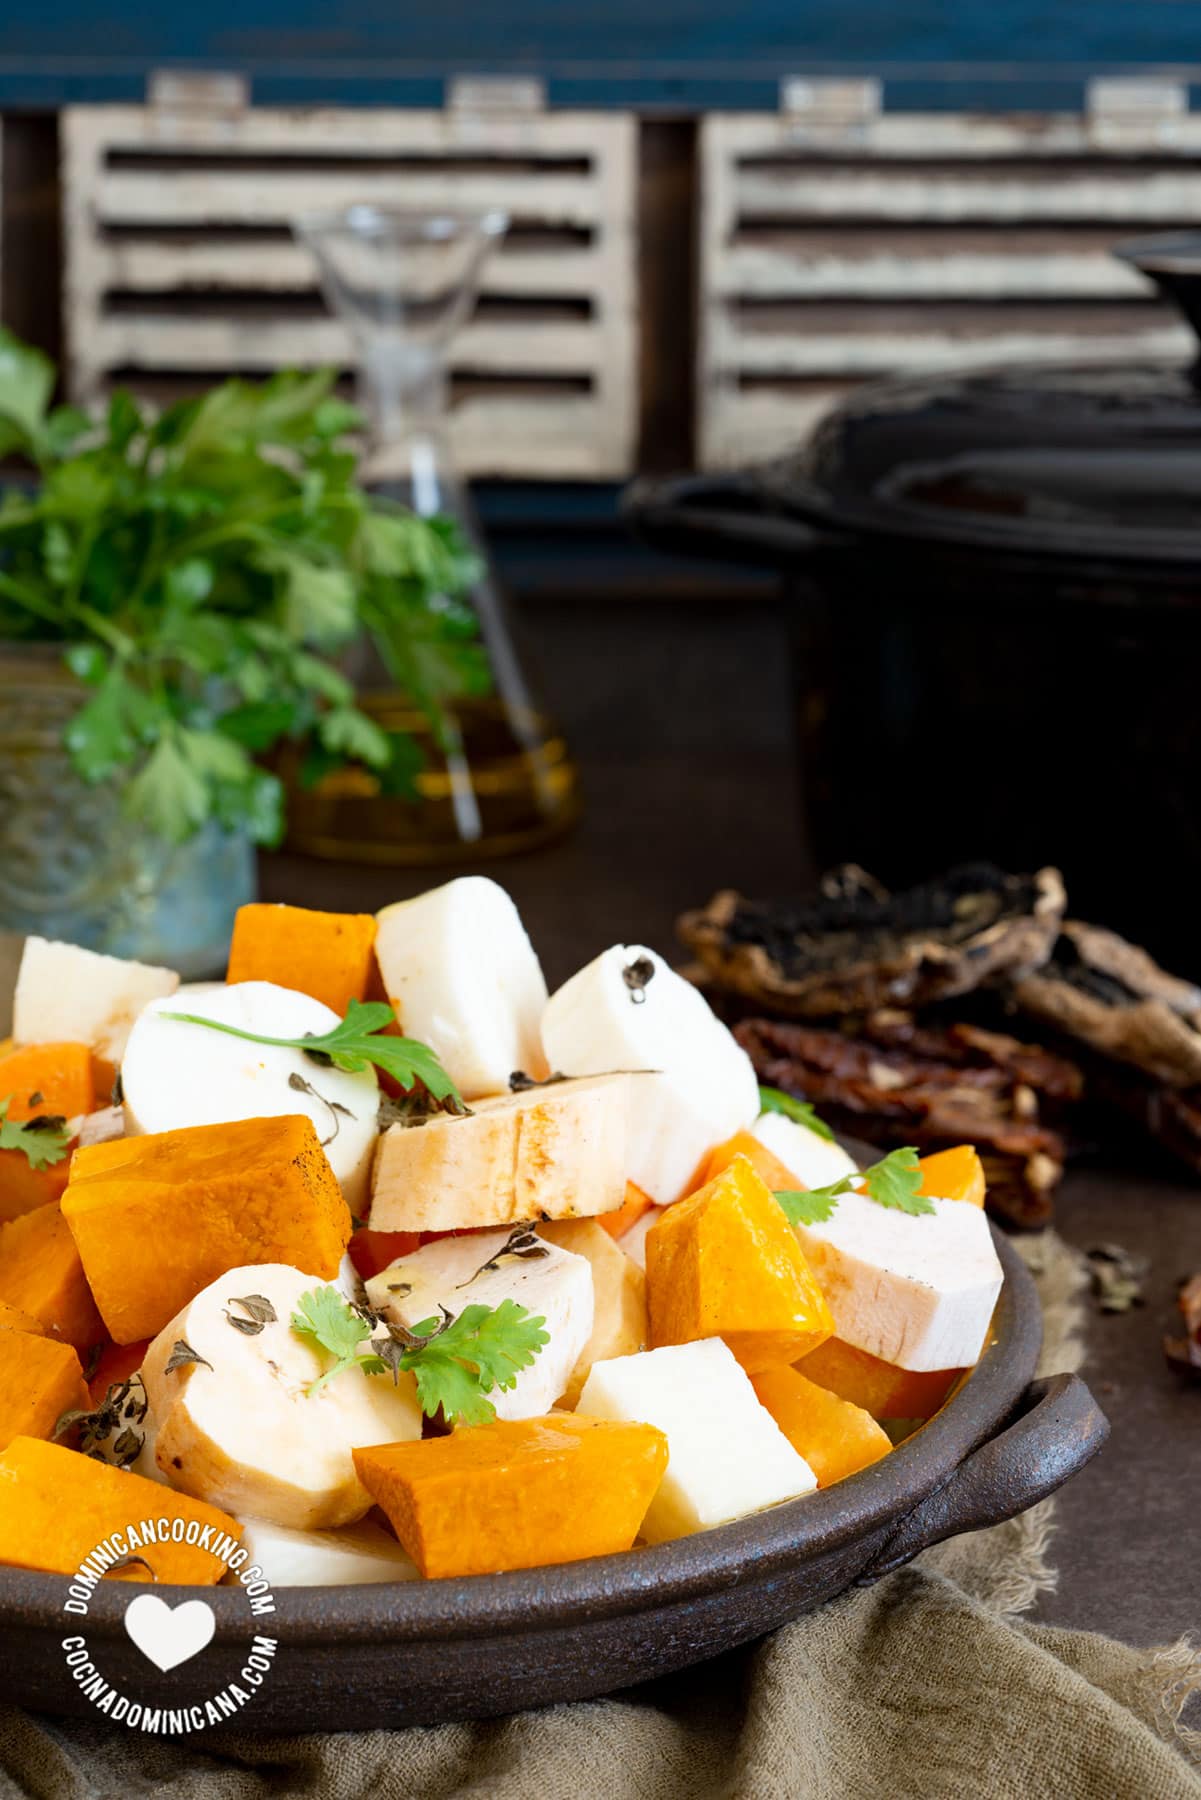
(679, 53)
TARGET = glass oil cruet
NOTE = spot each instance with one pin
(498, 776)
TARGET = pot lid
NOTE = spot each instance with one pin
(1082, 460)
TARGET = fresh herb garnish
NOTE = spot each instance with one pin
(353, 1043)
(523, 1244)
(43, 1140)
(337, 1111)
(124, 1406)
(637, 975)
(181, 1355)
(455, 1361)
(893, 1182)
(775, 1100)
(256, 1312)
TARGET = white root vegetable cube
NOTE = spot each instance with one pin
(350, 1556)
(619, 1324)
(629, 1010)
(551, 1152)
(727, 1455)
(66, 994)
(813, 1159)
(463, 977)
(454, 1273)
(917, 1290)
(240, 1427)
(175, 1075)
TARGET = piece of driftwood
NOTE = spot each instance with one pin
(838, 242)
(893, 1081)
(1100, 990)
(855, 947)
(181, 266)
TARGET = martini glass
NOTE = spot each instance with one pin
(498, 776)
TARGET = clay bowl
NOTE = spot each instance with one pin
(408, 1653)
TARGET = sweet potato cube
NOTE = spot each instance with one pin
(834, 1437)
(57, 1507)
(765, 1162)
(880, 1388)
(13, 1319)
(115, 1364)
(41, 1078)
(620, 1220)
(953, 1175)
(517, 1493)
(23, 1189)
(157, 1218)
(40, 1380)
(41, 1273)
(327, 955)
(726, 1263)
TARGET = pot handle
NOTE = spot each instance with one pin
(726, 516)
(1058, 1428)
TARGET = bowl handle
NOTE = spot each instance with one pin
(728, 516)
(1058, 1428)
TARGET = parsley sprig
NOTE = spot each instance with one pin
(892, 1182)
(352, 1044)
(776, 1100)
(42, 1140)
(455, 1361)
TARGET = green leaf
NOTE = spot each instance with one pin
(168, 794)
(188, 583)
(317, 601)
(260, 725)
(58, 553)
(215, 755)
(774, 1100)
(353, 735)
(87, 662)
(892, 1182)
(321, 678)
(354, 1043)
(26, 384)
(406, 759)
(65, 426)
(124, 419)
(42, 1140)
(110, 728)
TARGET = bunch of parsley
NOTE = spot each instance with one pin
(202, 570)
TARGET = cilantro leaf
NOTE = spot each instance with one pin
(455, 1362)
(774, 1100)
(892, 1182)
(354, 1043)
(42, 1140)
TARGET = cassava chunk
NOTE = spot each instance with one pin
(158, 1218)
(726, 1263)
(40, 1380)
(956, 1174)
(879, 1387)
(67, 993)
(555, 1152)
(41, 1273)
(57, 1507)
(619, 1324)
(835, 1437)
(327, 955)
(627, 1215)
(517, 1493)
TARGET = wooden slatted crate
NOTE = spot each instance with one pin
(181, 266)
(833, 249)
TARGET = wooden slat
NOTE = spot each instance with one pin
(180, 269)
(956, 136)
(842, 353)
(842, 269)
(817, 193)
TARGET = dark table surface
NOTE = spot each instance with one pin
(681, 725)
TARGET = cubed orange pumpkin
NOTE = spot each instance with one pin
(618, 1222)
(765, 1162)
(835, 1438)
(57, 1507)
(213, 1197)
(517, 1493)
(40, 1380)
(51, 1079)
(879, 1387)
(327, 955)
(41, 1273)
(953, 1175)
(726, 1263)
(11, 1319)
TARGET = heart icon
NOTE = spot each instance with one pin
(168, 1636)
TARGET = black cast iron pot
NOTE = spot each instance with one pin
(996, 604)
(401, 1654)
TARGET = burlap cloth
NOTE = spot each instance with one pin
(926, 1685)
